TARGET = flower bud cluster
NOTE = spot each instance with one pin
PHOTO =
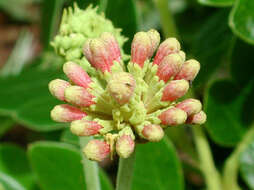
(122, 105)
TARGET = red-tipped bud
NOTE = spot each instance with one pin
(155, 40)
(112, 46)
(97, 150)
(121, 87)
(169, 67)
(174, 90)
(125, 146)
(169, 46)
(189, 70)
(78, 96)
(198, 118)
(98, 55)
(153, 133)
(57, 87)
(76, 74)
(173, 116)
(66, 113)
(190, 106)
(85, 128)
(140, 48)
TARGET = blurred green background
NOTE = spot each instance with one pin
(34, 150)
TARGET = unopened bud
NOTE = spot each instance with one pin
(121, 87)
(169, 46)
(85, 128)
(78, 96)
(189, 70)
(112, 46)
(66, 113)
(76, 74)
(190, 106)
(169, 67)
(173, 116)
(153, 133)
(97, 150)
(87, 51)
(101, 57)
(174, 90)
(198, 118)
(125, 146)
(141, 48)
(183, 55)
(57, 87)
(155, 40)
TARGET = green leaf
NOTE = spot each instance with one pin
(217, 3)
(8, 183)
(157, 167)
(5, 124)
(212, 45)
(13, 162)
(224, 106)
(51, 12)
(58, 167)
(123, 14)
(247, 165)
(27, 100)
(242, 66)
(241, 20)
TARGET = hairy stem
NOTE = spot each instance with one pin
(231, 167)
(207, 166)
(90, 168)
(167, 20)
(125, 173)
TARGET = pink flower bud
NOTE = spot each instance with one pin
(153, 133)
(78, 96)
(85, 128)
(97, 150)
(87, 51)
(66, 113)
(169, 67)
(99, 56)
(76, 74)
(174, 90)
(112, 46)
(125, 146)
(142, 47)
(169, 46)
(189, 70)
(57, 87)
(155, 40)
(190, 106)
(173, 116)
(121, 87)
(198, 118)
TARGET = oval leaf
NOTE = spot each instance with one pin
(26, 98)
(58, 167)
(223, 105)
(241, 20)
(157, 167)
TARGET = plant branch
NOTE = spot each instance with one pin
(90, 168)
(125, 173)
(167, 20)
(207, 166)
(231, 167)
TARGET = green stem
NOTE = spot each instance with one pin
(90, 168)
(167, 20)
(125, 173)
(231, 167)
(207, 166)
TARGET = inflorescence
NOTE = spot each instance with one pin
(122, 105)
